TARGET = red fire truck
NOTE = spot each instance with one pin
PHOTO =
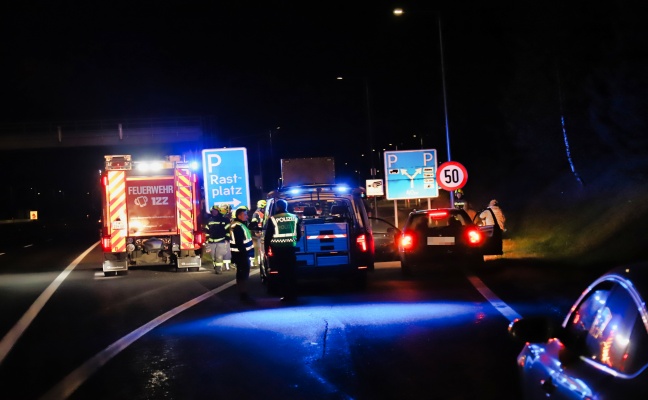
(150, 215)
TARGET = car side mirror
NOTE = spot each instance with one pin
(533, 329)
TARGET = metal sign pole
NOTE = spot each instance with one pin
(396, 213)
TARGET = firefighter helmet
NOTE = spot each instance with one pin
(261, 204)
(224, 208)
(458, 191)
(216, 207)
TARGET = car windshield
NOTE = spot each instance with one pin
(322, 210)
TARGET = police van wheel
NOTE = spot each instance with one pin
(360, 280)
(272, 286)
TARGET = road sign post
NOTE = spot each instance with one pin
(410, 174)
(225, 175)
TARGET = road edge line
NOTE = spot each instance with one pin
(9, 340)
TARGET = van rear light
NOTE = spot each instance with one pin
(105, 243)
(361, 241)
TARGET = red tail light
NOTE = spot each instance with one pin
(407, 241)
(270, 252)
(104, 180)
(105, 243)
(474, 236)
(438, 214)
(199, 238)
(361, 241)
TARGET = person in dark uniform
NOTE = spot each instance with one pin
(217, 234)
(242, 251)
(256, 226)
(280, 240)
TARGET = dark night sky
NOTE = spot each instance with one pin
(252, 67)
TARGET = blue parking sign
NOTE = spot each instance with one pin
(225, 175)
(411, 174)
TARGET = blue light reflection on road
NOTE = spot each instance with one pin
(313, 342)
(302, 321)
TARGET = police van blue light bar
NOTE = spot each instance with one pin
(342, 189)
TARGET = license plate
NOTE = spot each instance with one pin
(441, 241)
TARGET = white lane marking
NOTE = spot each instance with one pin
(2, 254)
(10, 339)
(72, 381)
(27, 245)
(488, 294)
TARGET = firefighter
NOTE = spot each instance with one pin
(225, 211)
(281, 237)
(217, 234)
(242, 251)
(255, 225)
(459, 200)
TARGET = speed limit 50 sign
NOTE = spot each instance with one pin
(451, 176)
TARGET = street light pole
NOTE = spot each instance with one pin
(445, 100)
(399, 12)
(369, 128)
(365, 81)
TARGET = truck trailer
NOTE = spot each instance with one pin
(151, 215)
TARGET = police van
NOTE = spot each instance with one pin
(336, 238)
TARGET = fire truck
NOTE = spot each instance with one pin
(150, 215)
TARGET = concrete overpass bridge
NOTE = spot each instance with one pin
(108, 133)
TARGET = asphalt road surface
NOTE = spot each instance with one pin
(69, 332)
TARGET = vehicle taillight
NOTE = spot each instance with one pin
(105, 243)
(407, 241)
(361, 241)
(438, 214)
(270, 252)
(199, 238)
(474, 236)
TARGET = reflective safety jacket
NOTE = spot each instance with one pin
(217, 228)
(241, 238)
(256, 222)
(283, 231)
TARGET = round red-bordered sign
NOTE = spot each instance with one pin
(451, 176)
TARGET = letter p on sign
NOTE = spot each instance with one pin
(213, 160)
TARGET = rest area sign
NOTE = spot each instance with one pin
(411, 174)
(225, 177)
